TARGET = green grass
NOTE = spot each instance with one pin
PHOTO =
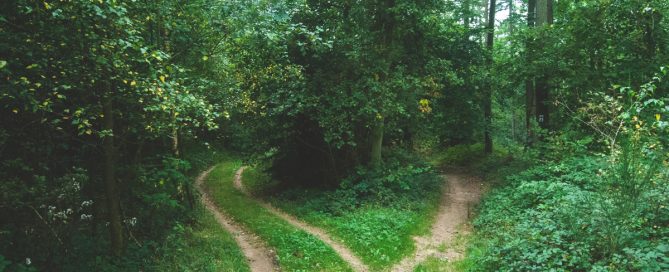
(296, 249)
(380, 236)
(433, 264)
(204, 247)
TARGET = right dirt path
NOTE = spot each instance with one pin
(461, 194)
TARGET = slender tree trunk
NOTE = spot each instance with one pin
(544, 17)
(486, 12)
(111, 188)
(377, 142)
(466, 13)
(487, 100)
(511, 6)
(513, 126)
(529, 82)
(175, 141)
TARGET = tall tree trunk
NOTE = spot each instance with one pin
(544, 17)
(510, 20)
(466, 13)
(111, 188)
(175, 141)
(486, 16)
(377, 142)
(529, 82)
(487, 99)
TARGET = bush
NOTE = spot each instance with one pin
(565, 216)
(402, 180)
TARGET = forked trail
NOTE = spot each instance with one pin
(345, 253)
(461, 194)
(260, 258)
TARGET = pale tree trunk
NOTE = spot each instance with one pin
(486, 12)
(377, 142)
(487, 100)
(111, 187)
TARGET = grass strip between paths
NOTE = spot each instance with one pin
(296, 249)
(380, 236)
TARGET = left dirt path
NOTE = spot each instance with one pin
(260, 258)
(338, 247)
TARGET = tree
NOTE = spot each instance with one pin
(544, 15)
(529, 82)
(487, 99)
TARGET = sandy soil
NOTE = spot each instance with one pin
(461, 194)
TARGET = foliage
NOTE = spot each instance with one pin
(202, 247)
(60, 60)
(590, 212)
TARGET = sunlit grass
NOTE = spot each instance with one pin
(296, 249)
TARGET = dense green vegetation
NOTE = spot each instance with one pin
(203, 247)
(347, 111)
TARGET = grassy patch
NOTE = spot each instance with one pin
(433, 264)
(296, 249)
(204, 247)
(380, 235)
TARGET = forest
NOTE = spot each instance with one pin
(334, 135)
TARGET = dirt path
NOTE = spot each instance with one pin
(338, 247)
(461, 194)
(260, 258)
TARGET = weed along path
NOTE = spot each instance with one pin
(260, 258)
(345, 253)
(461, 194)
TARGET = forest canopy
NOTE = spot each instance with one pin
(110, 109)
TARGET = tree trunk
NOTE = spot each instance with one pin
(111, 188)
(377, 142)
(175, 141)
(542, 96)
(510, 20)
(529, 82)
(486, 12)
(466, 13)
(487, 100)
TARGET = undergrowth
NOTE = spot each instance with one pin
(202, 247)
(567, 216)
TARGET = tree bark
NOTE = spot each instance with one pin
(486, 20)
(466, 13)
(487, 100)
(529, 82)
(377, 142)
(510, 20)
(111, 188)
(175, 141)
(542, 96)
